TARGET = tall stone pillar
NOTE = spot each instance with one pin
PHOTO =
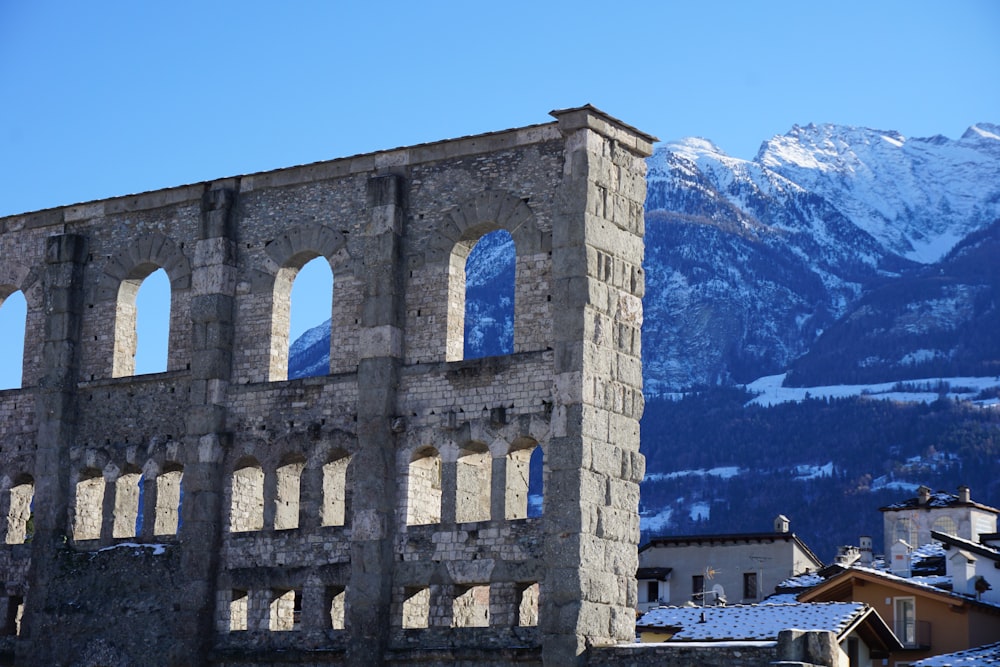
(591, 506)
(213, 284)
(56, 415)
(374, 500)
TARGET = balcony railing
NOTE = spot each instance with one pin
(913, 634)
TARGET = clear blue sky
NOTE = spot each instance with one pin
(99, 99)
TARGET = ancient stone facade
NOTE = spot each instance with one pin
(218, 513)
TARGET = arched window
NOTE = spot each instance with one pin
(309, 322)
(168, 500)
(473, 476)
(906, 530)
(286, 499)
(300, 319)
(89, 505)
(945, 524)
(334, 509)
(247, 506)
(142, 322)
(13, 316)
(489, 296)
(524, 480)
(127, 511)
(423, 490)
(20, 525)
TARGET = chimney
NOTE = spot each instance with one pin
(924, 495)
(900, 555)
(964, 494)
(781, 524)
(867, 558)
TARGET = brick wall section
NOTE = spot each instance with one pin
(395, 227)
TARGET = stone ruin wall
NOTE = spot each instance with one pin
(375, 515)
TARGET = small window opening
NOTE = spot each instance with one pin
(286, 501)
(15, 610)
(524, 480)
(652, 591)
(168, 502)
(416, 607)
(749, 585)
(423, 501)
(334, 510)
(89, 506)
(286, 609)
(239, 607)
(128, 514)
(336, 600)
(489, 296)
(473, 478)
(527, 607)
(247, 507)
(20, 520)
(471, 607)
(13, 322)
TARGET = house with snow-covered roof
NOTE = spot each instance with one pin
(856, 634)
(913, 519)
(725, 568)
(974, 567)
(981, 656)
(926, 616)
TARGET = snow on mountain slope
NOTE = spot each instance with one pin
(748, 261)
(918, 197)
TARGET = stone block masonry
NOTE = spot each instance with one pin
(220, 514)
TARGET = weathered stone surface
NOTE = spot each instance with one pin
(375, 515)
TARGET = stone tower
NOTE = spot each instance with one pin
(219, 513)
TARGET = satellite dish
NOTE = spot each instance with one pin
(719, 593)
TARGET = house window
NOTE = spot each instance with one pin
(906, 530)
(905, 621)
(652, 591)
(945, 524)
(698, 587)
(749, 585)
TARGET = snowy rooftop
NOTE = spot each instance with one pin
(752, 622)
(982, 656)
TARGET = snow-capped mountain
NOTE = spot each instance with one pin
(749, 261)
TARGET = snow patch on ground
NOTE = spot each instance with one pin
(769, 390)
